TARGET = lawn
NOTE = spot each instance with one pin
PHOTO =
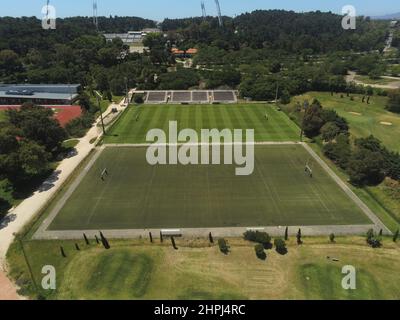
(363, 119)
(136, 269)
(137, 121)
(136, 195)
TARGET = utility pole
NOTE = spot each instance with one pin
(126, 90)
(276, 94)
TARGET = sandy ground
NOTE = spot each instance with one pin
(393, 85)
(7, 289)
(23, 213)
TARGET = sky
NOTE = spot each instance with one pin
(160, 9)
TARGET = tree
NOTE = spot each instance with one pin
(287, 234)
(339, 151)
(37, 123)
(138, 98)
(84, 102)
(285, 97)
(312, 121)
(396, 235)
(173, 243)
(393, 103)
(223, 246)
(332, 237)
(298, 237)
(104, 241)
(329, 131)
(4, 207)
(260, 253)
(9, 62)
(260, 237)
(365, 167)
(86, 239)
(33, 159)
(372, 240)
(210, 237)
(280, 246)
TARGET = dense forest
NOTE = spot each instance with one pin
(254, 52)
(313, 32)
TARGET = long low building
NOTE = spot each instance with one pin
(43, 94)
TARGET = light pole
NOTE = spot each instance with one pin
(126, 90)
(99, 97)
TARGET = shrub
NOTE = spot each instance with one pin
(138, 98)
(280, 246)
(260, 253)
(372, 240)
(223, 246)
(259, 237)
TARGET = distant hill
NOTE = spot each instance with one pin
(395, 16)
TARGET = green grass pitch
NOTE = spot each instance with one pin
(137, 121)
(136, 195)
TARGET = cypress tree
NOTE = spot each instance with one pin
(151, 237)
(86, 239)
(104, 241)
(63, 252)
(211, 238)
(299, 241)
(161, 237)
(173, 243)
(396, 236)
(97, 239)
(287, 234)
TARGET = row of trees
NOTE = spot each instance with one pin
(366, 160)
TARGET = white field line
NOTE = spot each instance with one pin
(61, 203)
(142, 145)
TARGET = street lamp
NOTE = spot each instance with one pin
(99, 97)
(126, 90)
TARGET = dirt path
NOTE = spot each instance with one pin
(8, 290)
(351, 77)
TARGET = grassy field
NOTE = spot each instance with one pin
(137, 196)
(137, 121)
(138, 270)
(363, 119)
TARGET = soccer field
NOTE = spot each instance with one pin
(136, 195)
(134, 124)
